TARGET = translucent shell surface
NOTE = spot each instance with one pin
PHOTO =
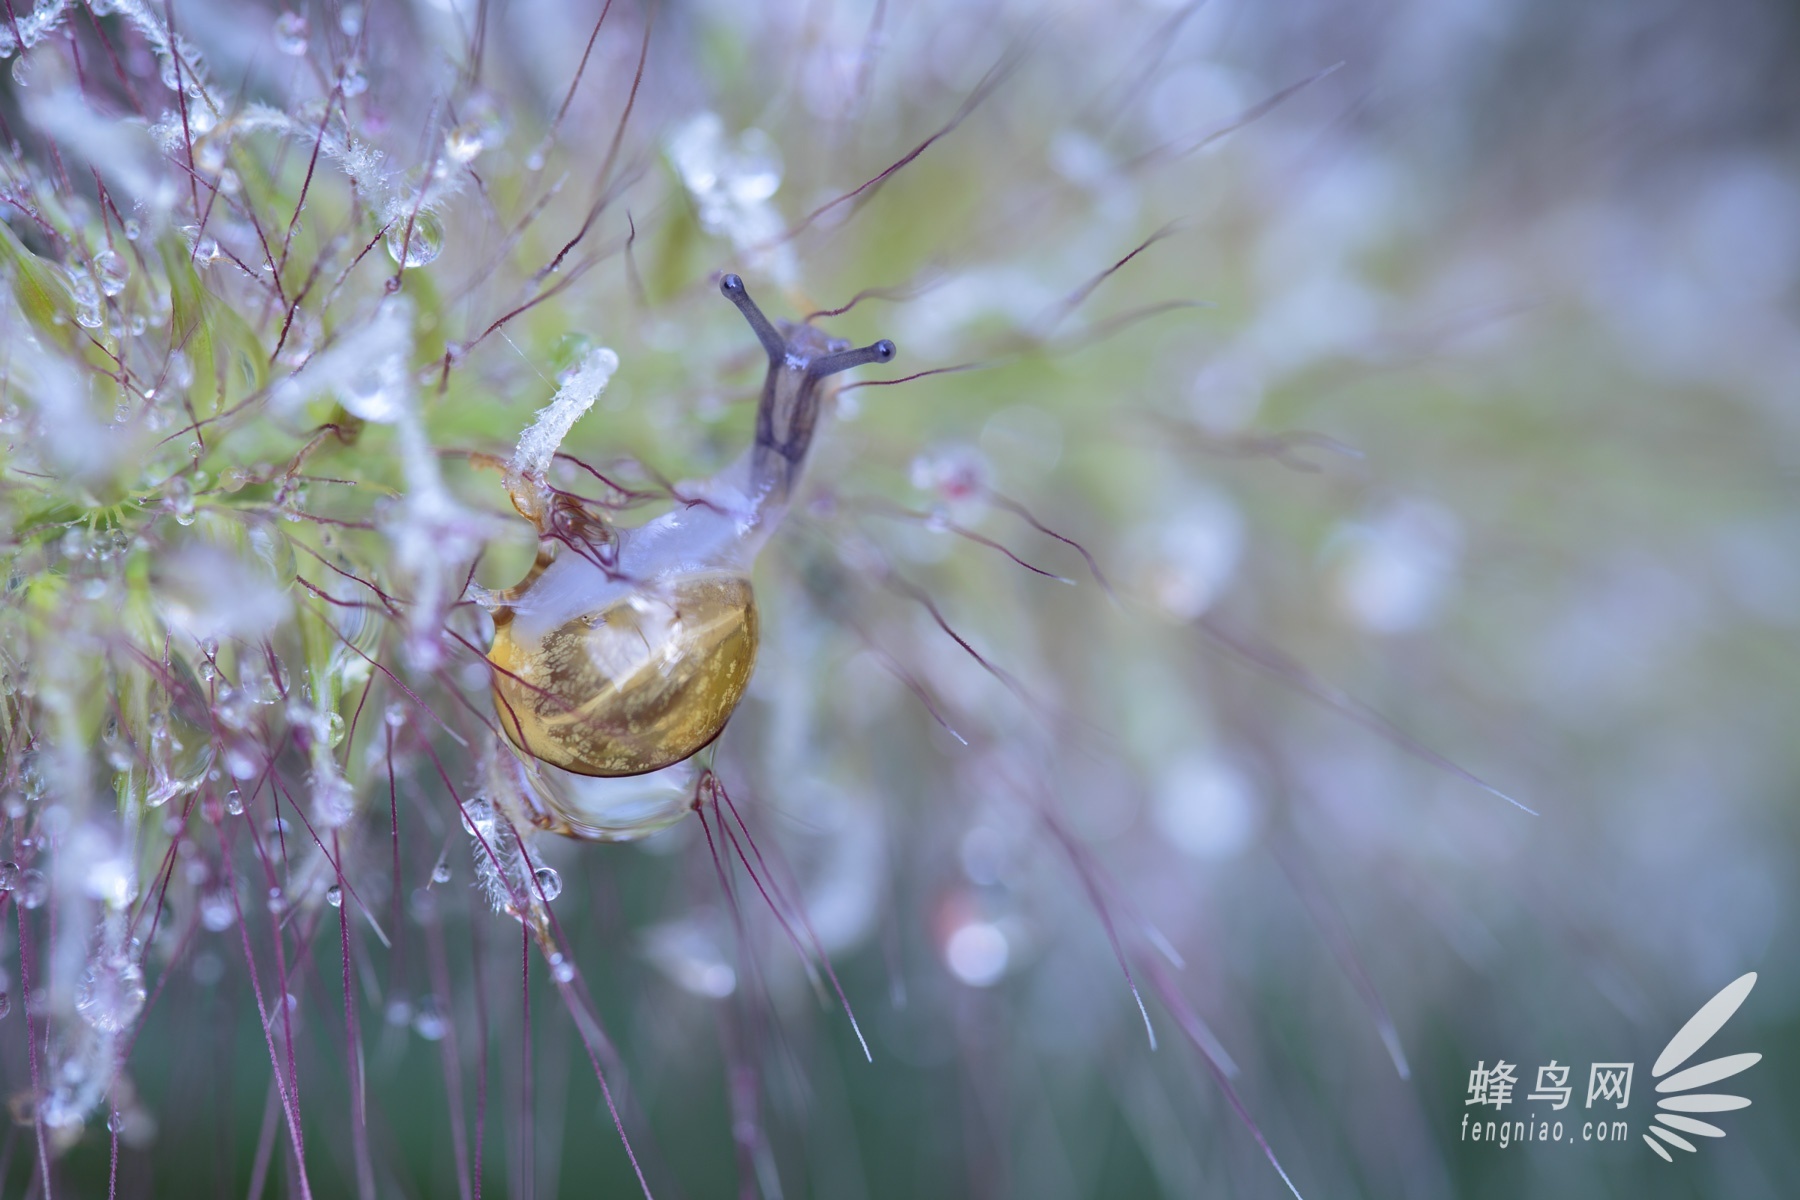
(632, 687)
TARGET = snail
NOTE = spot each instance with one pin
(632, 662)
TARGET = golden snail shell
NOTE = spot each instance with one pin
(631, 667)
(633, 687)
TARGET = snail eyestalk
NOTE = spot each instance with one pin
(734, 290)
(847, 360)
(800, 357)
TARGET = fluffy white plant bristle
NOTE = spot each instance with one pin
(541, 439)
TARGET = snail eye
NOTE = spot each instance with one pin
(839, 355)
(631, 687)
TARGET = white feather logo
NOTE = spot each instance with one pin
(1678, 1089)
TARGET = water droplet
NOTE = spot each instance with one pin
(111, 271)
(116, 1122)
(234, 803)
(334, 896)
(464, 143)
(178, 498)
(133, 230)
(548, 882)
(209, 156)
(350, 19)
(33, 889)
(333, 799)
(430, 1022)
(86, 294)
(441, 873)
(756, 171)
(109, 878)
(238, 758)
(258, 681)
(425, 244)
(376, 393)
(351, 80)
(204, 246)
(276, 900)
(291, 32)
(21, 72)
(688, 954)
(396, 715)
(977, 953)
(482, 128)
(218, 908)
(112, 992)
(5, 1002)
(561, 968)
(9, 875)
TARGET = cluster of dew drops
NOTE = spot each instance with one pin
(112, 992)
(95, 282)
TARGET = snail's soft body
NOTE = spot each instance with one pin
(632, 663)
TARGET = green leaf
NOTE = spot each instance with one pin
(40, 288)
(228, 359)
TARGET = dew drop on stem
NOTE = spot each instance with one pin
(430, 1022)
(291, 33)
(218, 909)
(111, 271)
(422, 245)
(33, 889)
